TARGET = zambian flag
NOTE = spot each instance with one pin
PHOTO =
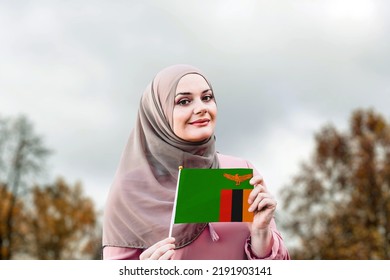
(213, 195)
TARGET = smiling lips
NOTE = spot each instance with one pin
(200, 122)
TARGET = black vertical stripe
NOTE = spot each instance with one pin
(237, 206)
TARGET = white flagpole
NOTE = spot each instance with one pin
(174, 203)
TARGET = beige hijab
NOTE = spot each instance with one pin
(139, 206)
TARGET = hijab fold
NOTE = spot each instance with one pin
(140, 202)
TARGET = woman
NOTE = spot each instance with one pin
(175, 127)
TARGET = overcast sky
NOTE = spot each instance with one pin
(280, 71)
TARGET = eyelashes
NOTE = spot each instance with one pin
(208, 97)
(187, 100)
(183, 102)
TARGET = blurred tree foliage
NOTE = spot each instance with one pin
(6, 198)
(339, 203)
(62, 223)
(22, 156)
(52, 222)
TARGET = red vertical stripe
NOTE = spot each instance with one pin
(225, 210)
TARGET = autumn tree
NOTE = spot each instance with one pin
(339, 203)
(62, 223)
(22, 155)
(6, 198)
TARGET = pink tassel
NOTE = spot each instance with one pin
(213, 233)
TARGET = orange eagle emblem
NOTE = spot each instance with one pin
(238, 178)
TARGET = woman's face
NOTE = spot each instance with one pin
(195, 110)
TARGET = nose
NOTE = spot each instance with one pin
(200, 110)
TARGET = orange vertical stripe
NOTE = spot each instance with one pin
(246, 215)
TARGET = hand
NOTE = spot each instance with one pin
(162, 250)
(262, 204)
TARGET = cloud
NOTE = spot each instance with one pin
(280, 70)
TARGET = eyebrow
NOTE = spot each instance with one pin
(189, 93)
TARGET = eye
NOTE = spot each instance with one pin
(208, 97)
(183, 101)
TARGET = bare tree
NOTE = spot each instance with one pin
(339, 203)
(22, 156)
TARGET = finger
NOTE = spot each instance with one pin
(169, 240)
(254, 205)
(266, 203)
(148, 252)
(154, 253)
(263, 204)
(255, 192)
(159, 252)
(256, 180)
(168, 255)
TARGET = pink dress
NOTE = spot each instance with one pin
(219, 241)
